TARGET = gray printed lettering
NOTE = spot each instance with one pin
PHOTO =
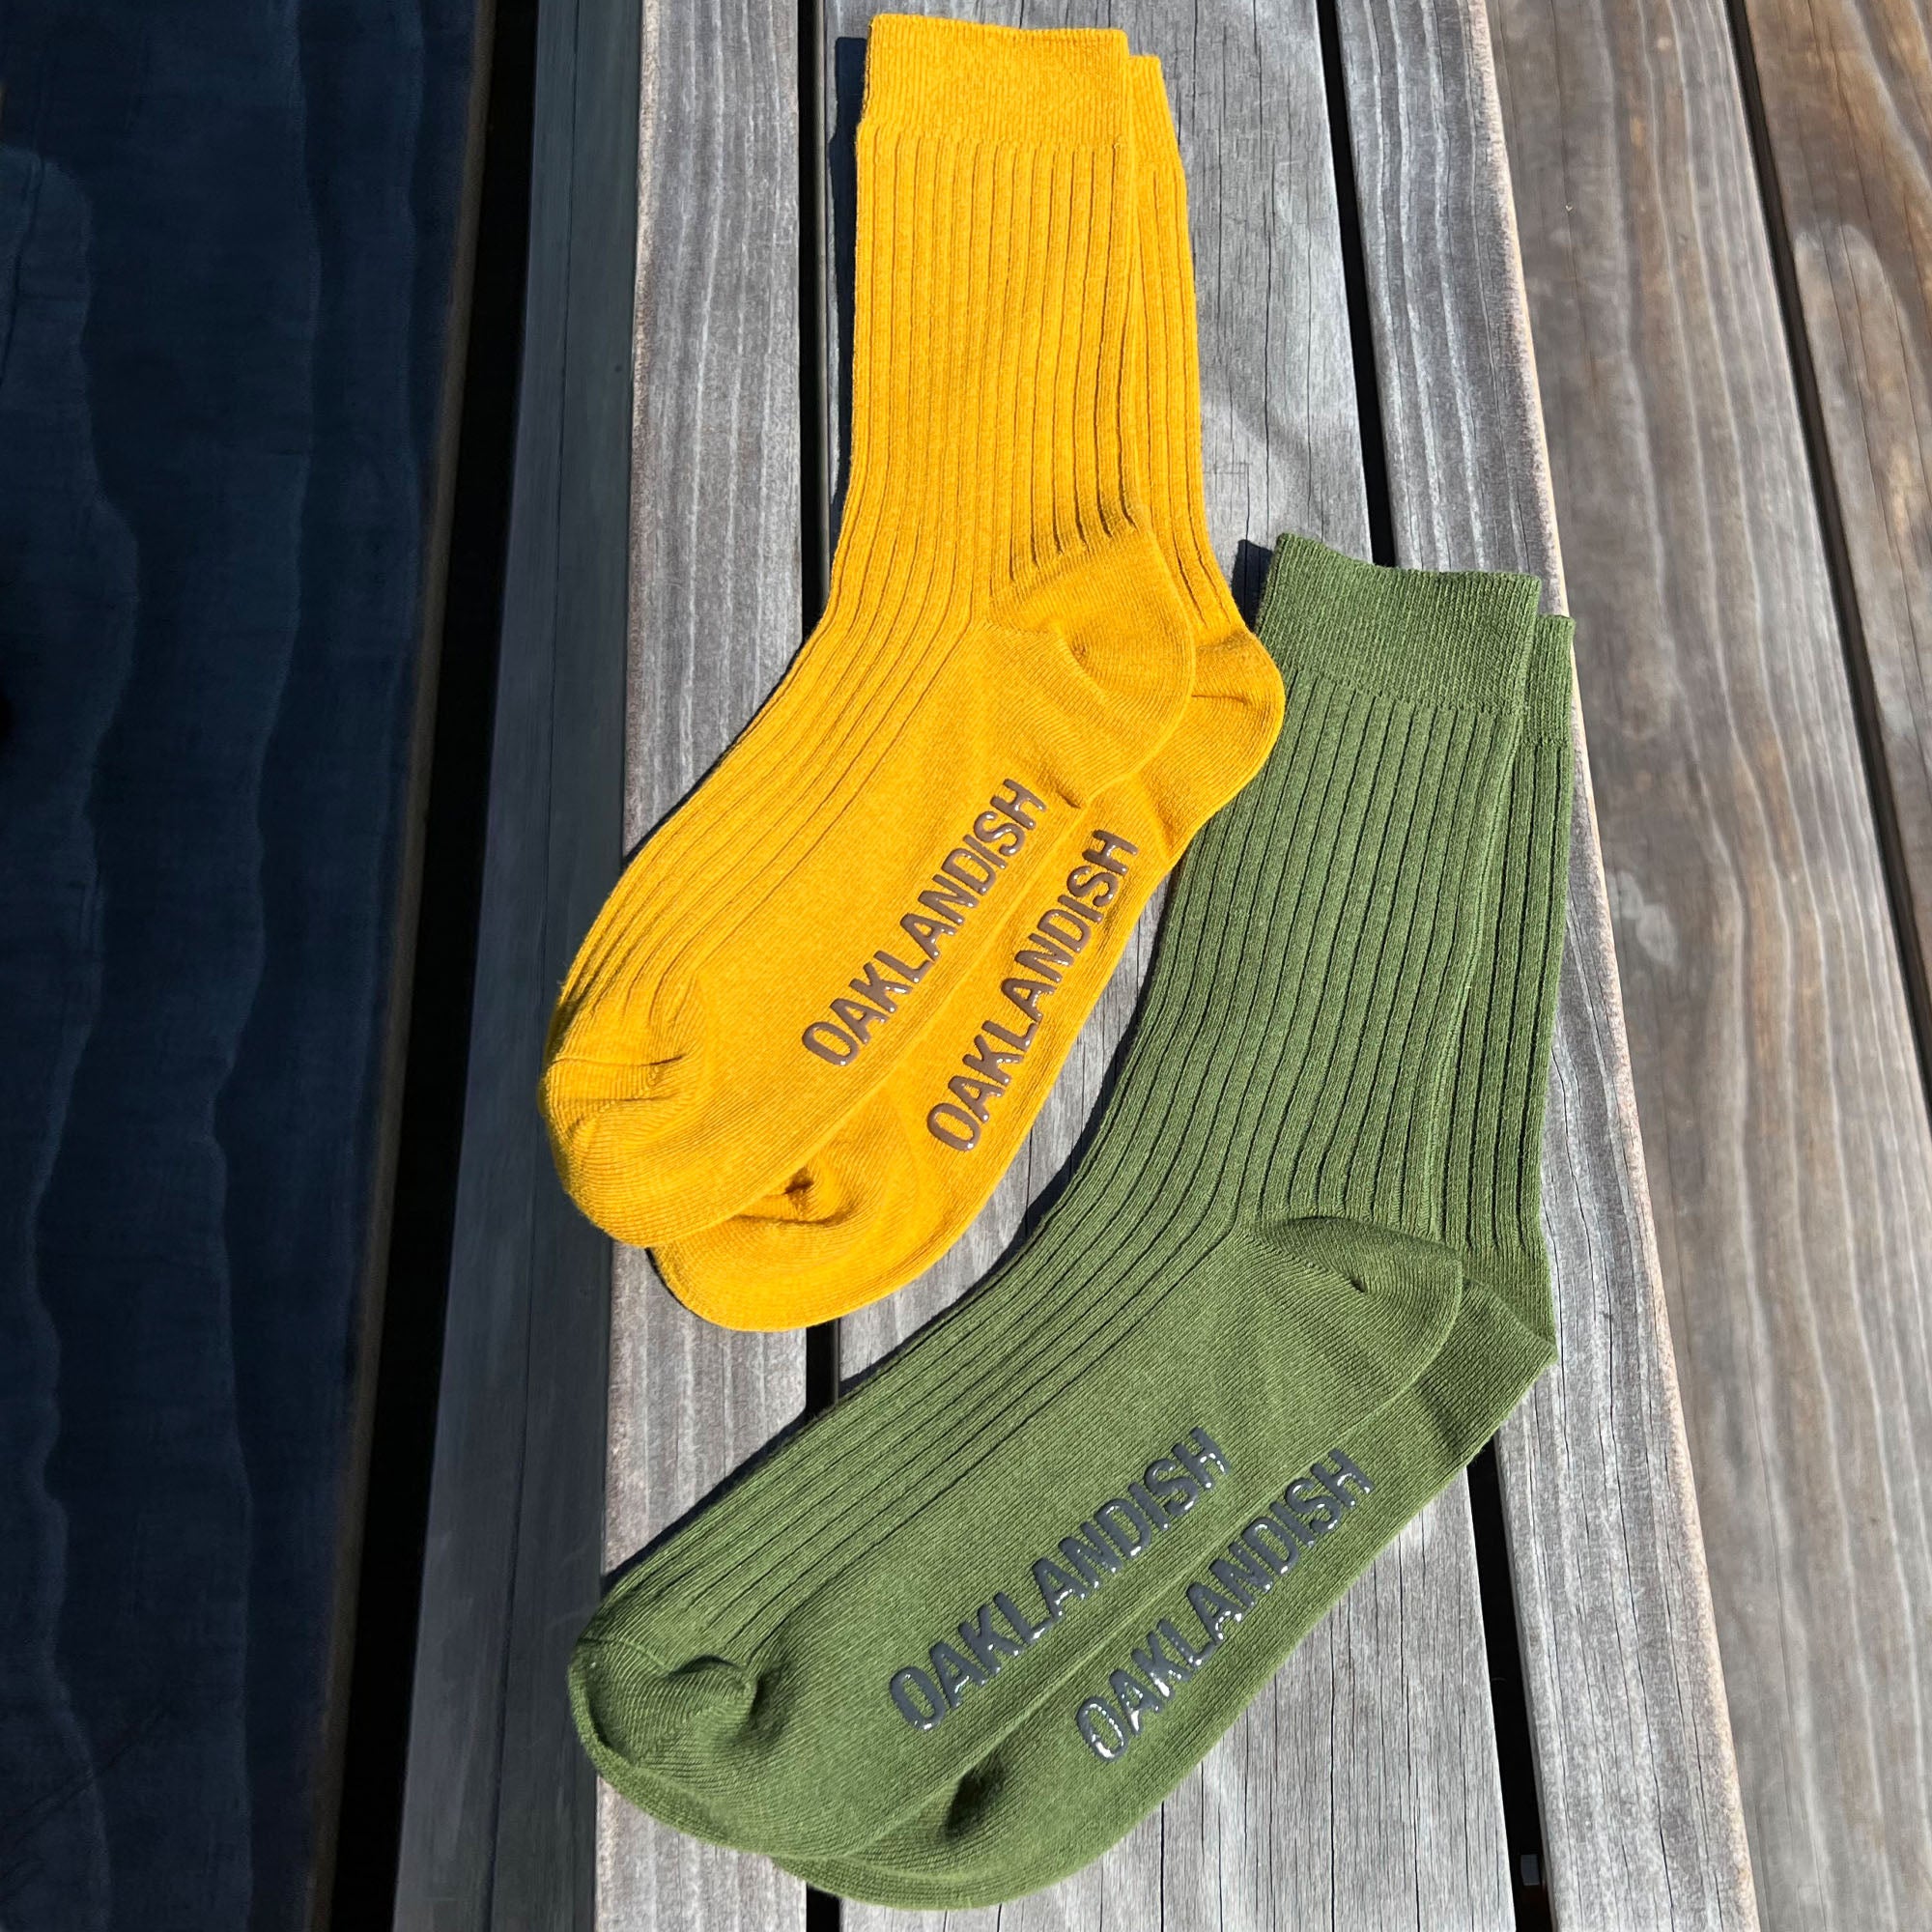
(955, 1674)
(1292, 1524)
(1042, 955)
(859, 1018)
(1205, 1452)
(1075, 938)
(1132, 1697)
(1097, 1711)
(1119, 1531)
(998, 833)
(926, 933)
(1102, 852)
(1213, 1609)
(1060, 934)
(1056, 1586)
(1028, 1631)
(1026, 995)
(964, 866)
(904, 1683)
(1336, 1470)
(1310, 1500)
(1269, 1546)
(953, 1126)
(881, 989)
(1159, 1665)
(973, 1094)
(1092, 885)
(1178, 1491)
(947, 903)
(831, 1042)
(1013, 798)
(988, 1063)
(1091, 1554)
(1242, 1573)
(962, 879)
(987, 1644)
(1110, 1516)
(1257, 1535)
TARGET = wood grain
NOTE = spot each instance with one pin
(1847, 103)
(1362, 1791)
(714, 619)
(1771, 1048)
(1634, 1762)
(498, 1811)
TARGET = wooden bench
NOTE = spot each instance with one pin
(1725, 214)
(1368, 378)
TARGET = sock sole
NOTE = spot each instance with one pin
(694, 1739)
(957, 1851)
(728, 1062)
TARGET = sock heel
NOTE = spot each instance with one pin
(1360, 1286)
(1112, 616)
(802, 1242)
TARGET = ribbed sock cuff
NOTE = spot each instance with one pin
(1458, 637)
(1154, 139)
(1060, 88)
(1545, 697)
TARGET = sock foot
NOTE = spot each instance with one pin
(866, 1668)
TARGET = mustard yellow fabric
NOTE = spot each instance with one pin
(1005, 640)
(904, 1176)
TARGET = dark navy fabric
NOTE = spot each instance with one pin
(225, 242)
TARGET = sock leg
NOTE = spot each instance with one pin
(902, 1178)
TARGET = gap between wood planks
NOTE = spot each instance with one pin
(1521, 1817)
(822, 1911)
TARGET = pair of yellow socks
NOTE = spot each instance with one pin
(812, 1024)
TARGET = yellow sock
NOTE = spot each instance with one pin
(1003, 641)
(903, 1176)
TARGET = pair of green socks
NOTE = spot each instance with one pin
(959, 1633)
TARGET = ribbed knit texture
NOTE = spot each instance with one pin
(1252, 1247)
(902, 1178)
(1001, 642)
(1039, 1805)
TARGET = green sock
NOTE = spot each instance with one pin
(1051, 1796)
(1244, 1268)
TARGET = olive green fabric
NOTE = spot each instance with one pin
(887, 1656)
(1040, 1805)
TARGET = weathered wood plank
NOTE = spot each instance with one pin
(1772, 1045)
(714, 618)
(498, 1825)
(1847, 103)
(1634, 1763)
(1363, 1791)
